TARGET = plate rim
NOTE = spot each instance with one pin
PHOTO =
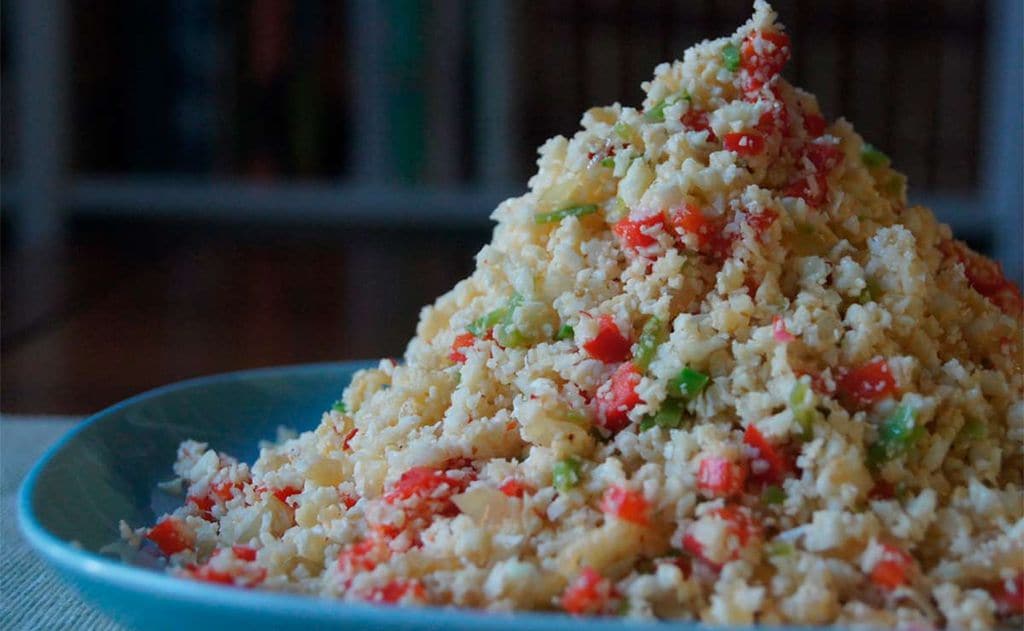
(77, 563)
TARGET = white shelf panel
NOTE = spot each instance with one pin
(308, 202)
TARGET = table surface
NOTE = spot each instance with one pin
(33, 596)
(119, 309)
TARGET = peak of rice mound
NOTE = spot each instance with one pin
(712, 365)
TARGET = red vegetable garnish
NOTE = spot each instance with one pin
(684, 563)
(720, 477)
(204, 504)
(778, 467)
(744, 143)
(171, 536)
(588, 593)
(349, 500)
(690, 220)
(244, 553)
(697, 120)
(626, 504)
(825, 156)
(345, 443)
(812, 186)
(635, 234)
(398, 590)
(362, 557)
(882, 490)
(986, 277)
(761, 221)
(461, 341)
(615, 400)
(893, 569)
(780, 332)
(762, 57)
(515, 488)
(738, 526)
(426, 492)
(207, 574)
(866, 384)
(609, 345)
(222, 491)
(1009, 596)
(814, 124)
(426, 482)
(284, 493)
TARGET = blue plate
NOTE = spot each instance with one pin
(107, 469)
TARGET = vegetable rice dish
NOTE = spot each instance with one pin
(712, 366)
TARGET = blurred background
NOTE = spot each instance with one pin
(196, 186)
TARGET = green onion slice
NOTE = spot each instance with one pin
(570, 211)
(688, 383)
(773, 495)
(731, 57)
(651, 337)
(657, 113)
(566, 474)
(896, 435)
(872, 157)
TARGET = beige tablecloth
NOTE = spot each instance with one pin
(31, 594)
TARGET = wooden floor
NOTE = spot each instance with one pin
(119, 309)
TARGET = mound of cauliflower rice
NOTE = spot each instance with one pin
(712, 366)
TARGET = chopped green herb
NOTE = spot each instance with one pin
(669, 416)
(688, 383)
(871, 291)
(565, 474)
(570, 211)
(798, 395)
(805, 418)
(501, 321)
(731, 57)
(505, 332)
(339, 406)
(973, 430)
(773, 495)
(651, 337)
(804, 414)
(872, 157)
(897, 434)
(657, 113)
(484, 323)
(565, 332)
(608, 162)
(779, 549)
(623, 130)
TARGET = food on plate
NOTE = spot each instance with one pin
(712, 366)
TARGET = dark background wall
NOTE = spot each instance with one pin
(191, 186)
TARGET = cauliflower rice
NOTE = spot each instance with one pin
(712, 366)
